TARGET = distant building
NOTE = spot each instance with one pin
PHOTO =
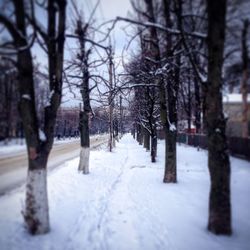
(67, 122)
(232, 105)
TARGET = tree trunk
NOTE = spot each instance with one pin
(36, 212)
(153, 147)
(36, 206)
(244, 89)
(114, 128)
(189, 104)
(245, 132)
(144, 136)
(111, 138)
(197, 106)
(85, 142)
(111, 104)
(133, 132)
(138, 134)
(121, 117)
(146, 141)
(81, 31)
(170, 174)
(219, 221)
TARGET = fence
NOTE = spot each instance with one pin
(239, 147)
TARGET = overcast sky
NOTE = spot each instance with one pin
(106, 10)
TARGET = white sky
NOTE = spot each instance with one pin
(106, 11)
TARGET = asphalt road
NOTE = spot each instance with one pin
(13, 167)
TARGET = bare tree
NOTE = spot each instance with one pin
(83, 55)
(79, 74)
(219, 221)
(244, 87)
(39, 143)
(145, 104)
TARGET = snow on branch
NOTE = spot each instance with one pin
(42, 136)
(26, 96)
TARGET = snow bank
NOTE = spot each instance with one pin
(234, 98)
(13, 146)
(123, 204)
(17, 145)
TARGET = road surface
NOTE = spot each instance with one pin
(13, 167)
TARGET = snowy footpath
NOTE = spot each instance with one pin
(123, 204)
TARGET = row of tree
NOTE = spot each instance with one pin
(179, 47)
(178, 68)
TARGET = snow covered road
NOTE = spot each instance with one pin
(123, 204)
(13, 163)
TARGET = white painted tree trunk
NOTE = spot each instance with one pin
(36, 212)
(84, 160)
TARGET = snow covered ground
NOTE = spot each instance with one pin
(123, 204)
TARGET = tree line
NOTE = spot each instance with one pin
(181, 65)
